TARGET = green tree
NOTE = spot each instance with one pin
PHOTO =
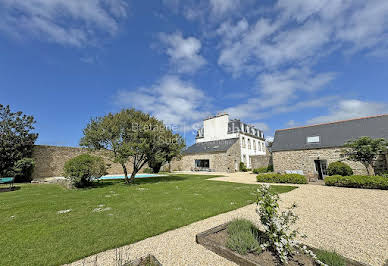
(365, 151)
(130, 136)
(16, 139)
(170, 147)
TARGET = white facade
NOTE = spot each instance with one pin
(220, 127)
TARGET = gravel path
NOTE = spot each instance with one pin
(354, 222)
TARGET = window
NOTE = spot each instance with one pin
(262, 146)
(254, 144)
(202, 163)
(243, 142)
(244, 159)
(249, 144)
(314, 139)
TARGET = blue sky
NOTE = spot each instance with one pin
(274, 64)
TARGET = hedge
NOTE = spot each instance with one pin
(262, 170)
(339, 168)
(357, 181)
(282, 178)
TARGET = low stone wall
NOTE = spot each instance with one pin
(304, 160)
(259, 161)
(49, 160)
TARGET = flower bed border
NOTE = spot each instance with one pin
(202, 239)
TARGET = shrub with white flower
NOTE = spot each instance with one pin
(278, 235)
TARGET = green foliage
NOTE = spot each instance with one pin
(23, 170)
(148, 170)
(365, 150)
(134, 136)
(282, 178)
(330, 258)
(357, 181)
(242, 167)
(16, 139)
(263, 170)
(81, 170)
(339, 168)
(243, 237)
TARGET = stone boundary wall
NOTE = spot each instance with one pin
(49, 160)
(304, 160)
(259, 161)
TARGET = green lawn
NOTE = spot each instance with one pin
(33, 233)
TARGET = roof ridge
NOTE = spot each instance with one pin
(334, 122)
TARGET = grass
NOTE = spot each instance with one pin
(330, 258)
(33, 233)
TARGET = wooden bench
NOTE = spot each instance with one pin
(7, 180)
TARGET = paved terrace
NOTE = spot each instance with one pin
(351, 221)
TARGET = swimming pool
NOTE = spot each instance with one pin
(122, 176)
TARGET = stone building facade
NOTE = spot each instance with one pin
(310, 149)
(222, 161)
(50, 160)
(221, 144)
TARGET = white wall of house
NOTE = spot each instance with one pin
(251, 146)
(216, 128)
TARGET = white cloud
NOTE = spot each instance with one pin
(291, 123)
(67, 22)
(261, 125)
(301, 32)
(172, 100)
(221, 7)
(184, 53)
(346, 109)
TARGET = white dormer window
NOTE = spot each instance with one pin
(313, 139)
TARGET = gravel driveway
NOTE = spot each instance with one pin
(354, 222)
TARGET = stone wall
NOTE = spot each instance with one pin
(49, 160)
(219, 161)
(304, 160)
(259, 161)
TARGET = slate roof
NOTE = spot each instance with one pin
(333, 134)
(211, 146)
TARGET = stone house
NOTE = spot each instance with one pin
(309, 149)
(221, 144)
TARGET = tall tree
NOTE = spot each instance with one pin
(130, 135)
(16, 138)
(365, 150)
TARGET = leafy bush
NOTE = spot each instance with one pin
(242, 237)
(278, 233)
(282, 178)
(148, 170)
(81, 170)
(339, 168)
(357, 181)
(23, 170)
(243, 168)
(263, 170)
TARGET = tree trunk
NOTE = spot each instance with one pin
(125, 173)
(132, 180)
(369, 169)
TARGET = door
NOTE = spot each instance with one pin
(321, 168)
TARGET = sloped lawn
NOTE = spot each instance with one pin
(109, 215)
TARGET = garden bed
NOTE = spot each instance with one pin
(215, 240)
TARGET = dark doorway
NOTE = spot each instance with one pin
(321, 168)
(202, 164)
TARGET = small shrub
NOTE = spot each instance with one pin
(81, 170)
(331, 258)
(357, 181)
(263, 170)
(243, 237)
(339, 168)
(243, 168)
(148, 170)
(23, 170)
(282, 178)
